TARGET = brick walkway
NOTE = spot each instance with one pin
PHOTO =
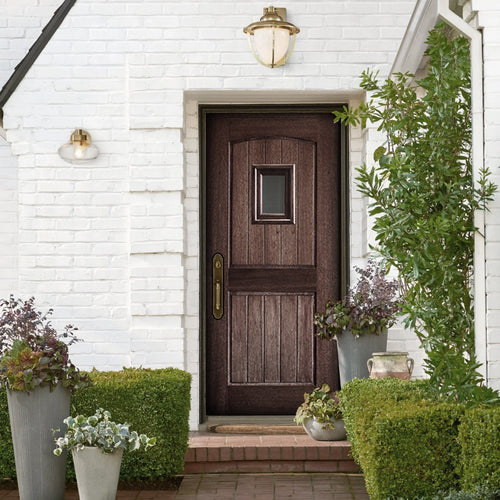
(314, 486)
(272, 486)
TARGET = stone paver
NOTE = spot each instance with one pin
(314, 486)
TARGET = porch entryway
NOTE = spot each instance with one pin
(211, 453)
(273, 233)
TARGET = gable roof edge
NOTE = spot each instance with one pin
(35, 50)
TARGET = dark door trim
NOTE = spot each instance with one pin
(203, 112)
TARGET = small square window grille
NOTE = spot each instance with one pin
(273, 194)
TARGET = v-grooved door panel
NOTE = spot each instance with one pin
(266, 331)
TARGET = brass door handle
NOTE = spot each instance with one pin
(218, 286)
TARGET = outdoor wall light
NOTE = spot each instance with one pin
(79, 149)
(269, 38)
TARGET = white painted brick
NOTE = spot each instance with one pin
(494, 372)
(156, 247)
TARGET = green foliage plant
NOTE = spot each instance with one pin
(32, 353)
(99, 431)
(321, 404)
(423, 198)
(370, 307)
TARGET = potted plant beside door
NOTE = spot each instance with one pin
(97, 445)
(39, 377)
(320, 415)
(359, 322)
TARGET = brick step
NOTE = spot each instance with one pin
(219, 453)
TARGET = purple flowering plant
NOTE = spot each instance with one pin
(32, 353)
(370, 307)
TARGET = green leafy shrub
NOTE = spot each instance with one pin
(405, 444)
(155, 401)
(479, 437)
(423, 198)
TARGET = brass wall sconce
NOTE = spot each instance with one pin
(272, 39)
(79, 149)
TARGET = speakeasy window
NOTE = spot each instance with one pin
(273, 189)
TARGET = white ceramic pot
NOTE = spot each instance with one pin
(390, 364)
(316, 431)
(97, 473)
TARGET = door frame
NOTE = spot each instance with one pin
(205, 110)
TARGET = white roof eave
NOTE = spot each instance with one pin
(411, 50)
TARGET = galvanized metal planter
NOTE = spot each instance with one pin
(354, 352)
(40, 474)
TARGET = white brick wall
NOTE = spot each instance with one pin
(8, 221)
(113, 245)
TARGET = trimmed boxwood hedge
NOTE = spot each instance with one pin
(7, 465)
(411, 448)
(153, 402)
(413, 451)
(363, 399)
(479, 437)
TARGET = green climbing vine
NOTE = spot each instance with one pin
(423, 199)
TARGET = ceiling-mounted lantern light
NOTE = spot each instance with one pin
(79, 149)
(272, 39)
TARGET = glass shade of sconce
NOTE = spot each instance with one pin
(272, 39)
(79, 149)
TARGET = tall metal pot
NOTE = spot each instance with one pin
(40, 474)
(354, 353)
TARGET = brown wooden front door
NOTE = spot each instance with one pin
(272, 257)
